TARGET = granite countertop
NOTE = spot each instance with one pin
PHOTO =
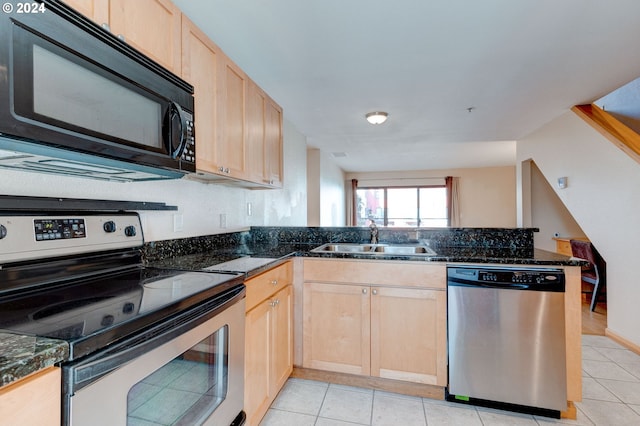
(22, 355)
(247, 262)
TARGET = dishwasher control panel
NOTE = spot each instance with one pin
(532, 278)
(527, 277)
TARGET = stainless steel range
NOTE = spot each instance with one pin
(147, 345)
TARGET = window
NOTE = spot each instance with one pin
(402, 207)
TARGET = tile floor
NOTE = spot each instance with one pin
(611, 396)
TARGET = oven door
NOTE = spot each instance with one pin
(194, 378)
(74, 86)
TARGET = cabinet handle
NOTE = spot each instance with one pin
(106, 27)
(374, 292)
(226, 170)
(364, 291)
(221, 169)
(274, 282)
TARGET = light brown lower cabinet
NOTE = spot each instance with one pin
(268, 340)
(34, 400)
(389, 331)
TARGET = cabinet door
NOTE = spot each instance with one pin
(408, 335)
(200, 63)
(232, 89)
(336, 328)
(96, 10)
(151, 26)
(282, 339)
(273, 143)
(264, 138)
(256, 154)
(34, 400)
(257, 365)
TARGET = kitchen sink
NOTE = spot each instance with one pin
(376, 249)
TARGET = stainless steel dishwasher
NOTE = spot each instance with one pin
(506, 338)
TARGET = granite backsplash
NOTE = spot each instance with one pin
(260, 238)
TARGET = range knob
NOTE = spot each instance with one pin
(130, 231)
(107, 320)
(3, 231)
(109, 226)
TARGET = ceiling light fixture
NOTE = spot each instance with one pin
(377, 117)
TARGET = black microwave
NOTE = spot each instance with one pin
(75, 99)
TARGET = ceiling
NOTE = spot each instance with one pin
(462, 80)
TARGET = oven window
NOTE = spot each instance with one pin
(186, 390)
(72, 94)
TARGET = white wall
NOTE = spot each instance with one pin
(326, 191)
(549, 214)
(200, 204)
(487, 194)
(603, 195)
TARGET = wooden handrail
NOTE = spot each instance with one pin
(611, 128)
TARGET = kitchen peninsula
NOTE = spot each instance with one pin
(399, 275)
(259, 250)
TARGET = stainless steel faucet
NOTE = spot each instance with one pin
(374, 232)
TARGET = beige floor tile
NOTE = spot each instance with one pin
(347, 405)
(451, 414)
(607, 370)
(591, 353)
(591, 389)
(331, 422)
(392, 409)
(618, 355)
(287, 418)
(604, 413)
(491, 417)
(600, 342)
(301, 396)
(627, 392)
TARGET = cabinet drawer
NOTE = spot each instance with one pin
(268, 283)
(376, 272)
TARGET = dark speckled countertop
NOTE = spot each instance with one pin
(22, 355)
(260, 248)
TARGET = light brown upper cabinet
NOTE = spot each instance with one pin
(150, 26)
(264, 138)
(238, 126)
(232, 96)
(96, 10)
(200, 58)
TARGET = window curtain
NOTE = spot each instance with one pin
(352, 203)
(452, 185)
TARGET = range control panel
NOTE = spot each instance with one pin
(27, 237)
(59, 229)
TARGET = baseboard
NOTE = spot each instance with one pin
(368, 382)
(624, 342)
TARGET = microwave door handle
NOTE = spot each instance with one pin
(175, 110)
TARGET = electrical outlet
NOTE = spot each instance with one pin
(178, 222)
(223, 220)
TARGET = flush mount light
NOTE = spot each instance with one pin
(377, 117)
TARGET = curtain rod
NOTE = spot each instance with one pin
(403, 178)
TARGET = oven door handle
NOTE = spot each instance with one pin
(88, 370)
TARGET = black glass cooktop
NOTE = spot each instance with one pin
(92, 312)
